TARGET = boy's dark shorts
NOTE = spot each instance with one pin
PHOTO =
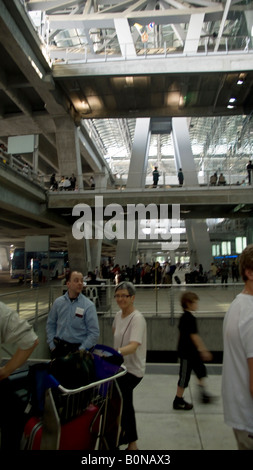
(189, 365)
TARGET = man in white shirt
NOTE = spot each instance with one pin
(237, 376)
(13, 330)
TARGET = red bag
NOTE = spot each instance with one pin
(79, 434)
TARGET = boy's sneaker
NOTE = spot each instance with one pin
(206, 397)
(181, 404)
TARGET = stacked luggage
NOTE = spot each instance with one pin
(85, 416)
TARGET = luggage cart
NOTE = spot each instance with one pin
(86, 418)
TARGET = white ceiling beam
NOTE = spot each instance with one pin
(103, 20)
(224, 17)
(193, 33)
(125, 37)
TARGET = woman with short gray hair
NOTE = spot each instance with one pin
(130, 339)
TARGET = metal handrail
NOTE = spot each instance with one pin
(25, 300)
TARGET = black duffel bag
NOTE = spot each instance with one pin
(74, 370)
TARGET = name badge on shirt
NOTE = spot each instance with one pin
(79, 312)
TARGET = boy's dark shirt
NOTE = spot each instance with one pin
(187, 326)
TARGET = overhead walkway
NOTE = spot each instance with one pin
(195, 202)
(20, 194)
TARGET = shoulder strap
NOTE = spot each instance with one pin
(126, 329)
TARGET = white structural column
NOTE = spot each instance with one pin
(222, 24)
(183, 151)
(36, 153)
(199, 243)
(197, 235)
(125, 37)
(193, 33)
(126, 249)
(139, 157)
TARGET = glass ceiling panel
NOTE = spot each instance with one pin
(218, 143)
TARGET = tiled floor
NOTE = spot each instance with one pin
(162, 428)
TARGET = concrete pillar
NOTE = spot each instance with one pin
(79, 254)
(197, 235)
(183, 153)
(95, 247)
(149, 256)
(36, 153)
(139, 157)
(126, 249)
(249, 231)
(101, 180)
(199, 244)
(126, 252)
(4, 257)
(68, 149)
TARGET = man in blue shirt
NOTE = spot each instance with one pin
(72, 322)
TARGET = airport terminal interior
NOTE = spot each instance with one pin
(95, 95)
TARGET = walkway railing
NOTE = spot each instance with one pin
(231, 179)
(152, 300)
(206, 46)
(9, 161)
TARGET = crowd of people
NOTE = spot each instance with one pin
(168, 273)
(140, 273)
(67, 183)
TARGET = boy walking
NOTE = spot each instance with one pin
(192, 352)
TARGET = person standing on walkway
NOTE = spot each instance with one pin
(224, 273)
(130, 339)
(237, 372)
(72, 322)
(213, 272)
(192, 352)
(249, 170)
(155, 177)
(180, 176)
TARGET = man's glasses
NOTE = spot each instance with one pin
(123, 296)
